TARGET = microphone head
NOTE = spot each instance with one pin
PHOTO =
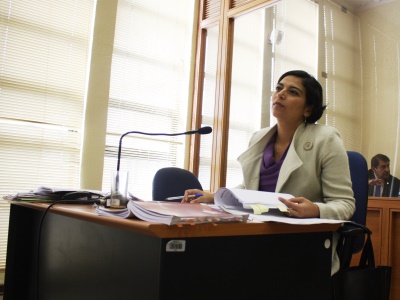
(204, 130)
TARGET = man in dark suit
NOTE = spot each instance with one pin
(381, 183)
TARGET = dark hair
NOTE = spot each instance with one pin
(314, 94)
(375, 160)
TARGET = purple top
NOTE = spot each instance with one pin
(269, 170)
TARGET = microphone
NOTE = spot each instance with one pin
(117, 199)
(202, 130)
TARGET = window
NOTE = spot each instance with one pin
(43, 59)
(149, 89)
(256, 46)
(209, 92)
(273, 42)
(46, 51)
(343, 73)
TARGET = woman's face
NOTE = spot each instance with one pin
(289, 101)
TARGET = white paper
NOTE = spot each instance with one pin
(239, 201)
(245, 198)
(288, 220)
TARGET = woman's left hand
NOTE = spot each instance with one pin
(300, 207)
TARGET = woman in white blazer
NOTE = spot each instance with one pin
(315, 170)
(297, 156)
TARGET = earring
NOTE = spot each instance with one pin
(305, 118)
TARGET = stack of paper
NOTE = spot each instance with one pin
(171, 213)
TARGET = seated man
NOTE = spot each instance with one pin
(381, 183)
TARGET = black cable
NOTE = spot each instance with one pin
(88, 201)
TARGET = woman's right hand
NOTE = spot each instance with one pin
(205, 198)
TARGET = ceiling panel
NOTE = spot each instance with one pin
(357, 5)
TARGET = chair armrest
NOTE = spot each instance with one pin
(353, 229)
(351, 241)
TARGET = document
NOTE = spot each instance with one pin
(262, 206)
(171, 213)
(256, 201)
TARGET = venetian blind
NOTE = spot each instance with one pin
(343, 73)
(43, 59)
(149, 89)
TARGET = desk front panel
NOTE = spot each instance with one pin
(276, 267)
(85, 260)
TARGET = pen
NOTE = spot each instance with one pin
(181, 197)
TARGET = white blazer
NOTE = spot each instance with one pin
(316, 167)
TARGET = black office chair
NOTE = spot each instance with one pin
(172, 181)
(352, 237)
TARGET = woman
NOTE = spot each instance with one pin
(297, 156)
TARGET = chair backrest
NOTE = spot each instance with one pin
(173, 181)
(359, 178)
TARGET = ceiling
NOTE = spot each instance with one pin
(357, 5)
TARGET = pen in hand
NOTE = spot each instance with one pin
(181, 197)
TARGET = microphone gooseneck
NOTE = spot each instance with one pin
(202, 130)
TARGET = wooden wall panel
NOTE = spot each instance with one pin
(374, 224)
(383, 219)
(394, 252)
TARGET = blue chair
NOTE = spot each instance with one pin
(359, 179)
(173, 181)
(365, 280)
(352, 237)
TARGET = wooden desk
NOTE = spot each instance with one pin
(383, 219)
(85, 256)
